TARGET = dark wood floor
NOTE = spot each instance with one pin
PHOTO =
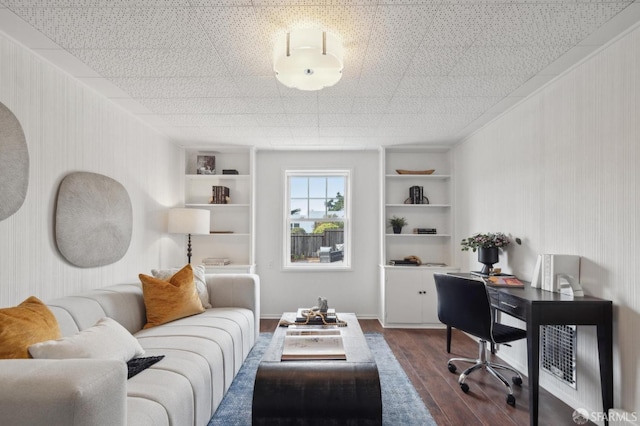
(423, 356)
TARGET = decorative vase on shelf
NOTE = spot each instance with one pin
(487, 256)
(397, 229)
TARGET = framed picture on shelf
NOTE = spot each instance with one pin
(206, 165)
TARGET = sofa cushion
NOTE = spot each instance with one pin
(23, 325)
(199, 280)
(167, 301)
(105, 340)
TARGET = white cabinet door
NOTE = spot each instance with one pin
(403, 297)
(410, 296)
(429, 299)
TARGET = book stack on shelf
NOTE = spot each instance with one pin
(425, 231)
(310, 343)
(404, 262)
(216, 261)
(220, 194)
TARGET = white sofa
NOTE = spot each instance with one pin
(203, 353)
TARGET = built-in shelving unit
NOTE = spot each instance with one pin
(232, 224)
(408, 292)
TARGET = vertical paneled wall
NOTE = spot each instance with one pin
(68, 127)
(561, 172)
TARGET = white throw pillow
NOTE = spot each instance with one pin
(198, 279)
(105, 340)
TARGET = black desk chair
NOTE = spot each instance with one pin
(464, 304)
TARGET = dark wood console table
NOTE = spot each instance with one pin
(537, 307)
(318, 392)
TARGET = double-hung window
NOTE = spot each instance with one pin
(317, 219)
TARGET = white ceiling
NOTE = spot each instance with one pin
(416, 71)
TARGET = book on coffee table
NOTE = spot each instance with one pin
(313, 347)
(313, 330)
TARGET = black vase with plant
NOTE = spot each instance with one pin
(396, 223)
(488, 246)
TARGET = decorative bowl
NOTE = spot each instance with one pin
(415, 172)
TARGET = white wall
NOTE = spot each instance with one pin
(347, 291)
(560, 171)
(68, 127)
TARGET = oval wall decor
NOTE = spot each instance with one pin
(14, 164)
(93, 219)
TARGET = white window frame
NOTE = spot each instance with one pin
(288, 265)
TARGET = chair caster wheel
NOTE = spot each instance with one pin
(511, 400)
(465, 388)
(452, 367)
(516, 380)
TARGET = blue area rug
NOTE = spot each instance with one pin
(401, 404)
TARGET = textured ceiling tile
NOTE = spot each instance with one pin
(507, 60)
(345, 120)
(348, 132)
(263, 87)
(489, 86)
(214, 3)
(240, 37)
(153, 62)
(269, 132)
(334, 105)
(387, 60)
(402, 120)
(250, 62)
(546, 23)
(117, 28)
(432, 60)
(97, 3)
(304, 132)
(273, 120)
(172, 87)
(378, 85)
(402, 25)
(351, 24)
(209, 120)
(345, 87)
(263, 105)
(302, 120)
(467, 105)
(370, 105)
(301, 104)
(405, 104)
(413, 86)
(458, 24)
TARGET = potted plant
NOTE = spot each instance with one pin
(397, 223)
(487, 246)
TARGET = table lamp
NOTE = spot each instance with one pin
(189, 221)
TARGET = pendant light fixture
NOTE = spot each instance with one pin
(308, 59)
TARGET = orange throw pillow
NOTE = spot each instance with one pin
(23, 325)
(170, 300)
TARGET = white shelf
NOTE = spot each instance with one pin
(425, 177)
(217, 206)
(418, 235)
(217, 177)
(428, 267)
(234, 221)
(418, 206)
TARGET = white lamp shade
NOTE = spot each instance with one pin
(308, 59)
(189, 221)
